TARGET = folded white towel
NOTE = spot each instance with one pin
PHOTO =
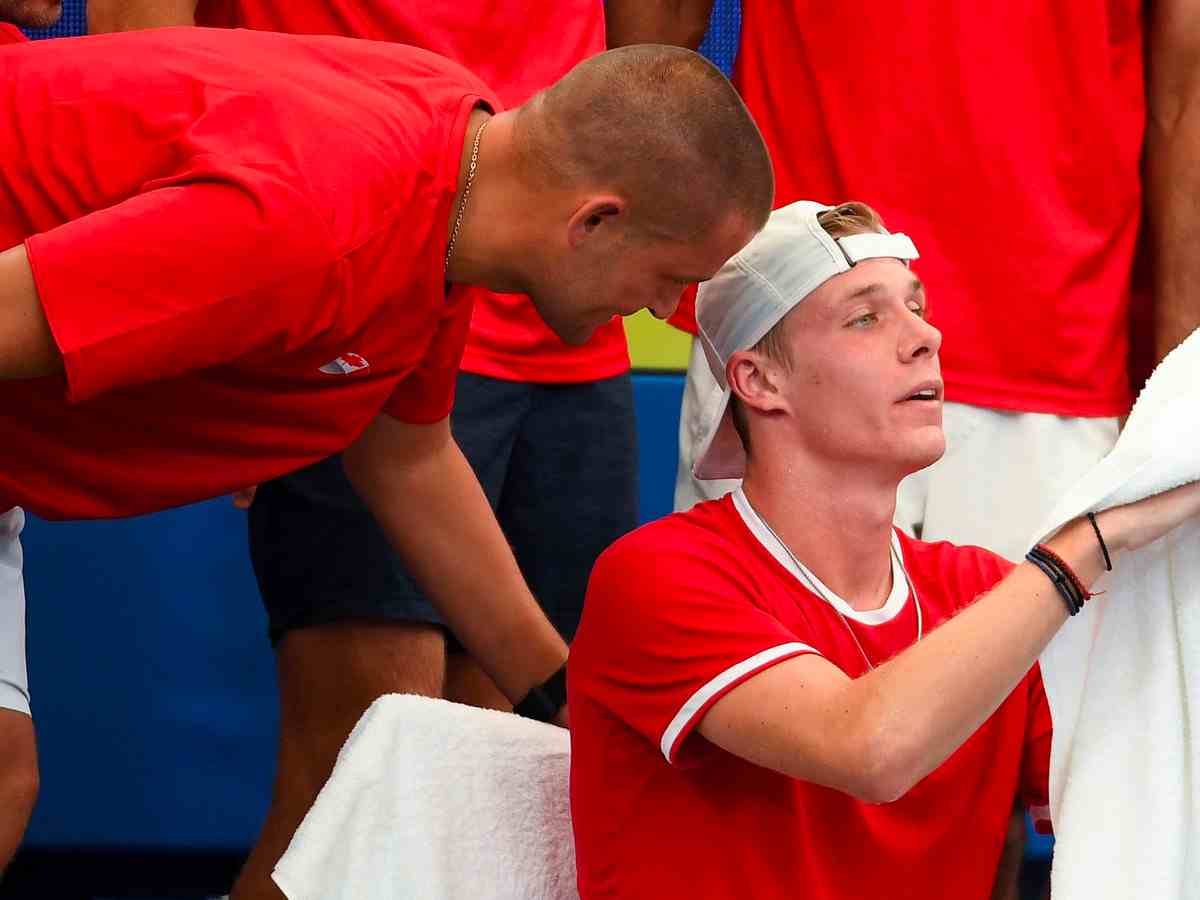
(431, 800)
(1123, 677)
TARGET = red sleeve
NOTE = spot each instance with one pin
(192, 272)
(426, 394)
(666, 632)
(1035, 763)
(11, 34)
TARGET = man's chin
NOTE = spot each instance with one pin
(925, 453)
(574, 334)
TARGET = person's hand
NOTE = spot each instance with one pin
(243, 498)
(1138, 524)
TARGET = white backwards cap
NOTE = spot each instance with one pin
(788, 260)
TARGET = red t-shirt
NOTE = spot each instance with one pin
(11, 34)
(517, 53)
(1005, 140)
(238, 241)
(684, 609)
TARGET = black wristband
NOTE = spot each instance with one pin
(1100, 538)
(1061, 581)
(544, 701)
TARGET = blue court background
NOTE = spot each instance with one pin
(152, 680)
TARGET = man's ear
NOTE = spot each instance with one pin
(593, 216)
(756, 380)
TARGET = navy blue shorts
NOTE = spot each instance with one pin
(558, 463)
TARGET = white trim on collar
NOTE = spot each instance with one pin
(895, 601)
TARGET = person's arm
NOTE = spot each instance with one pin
(27, 348)
(679, 22)
(106, 16)
(1172, 168)
(876, 736)
(18, 780)
(428, 501)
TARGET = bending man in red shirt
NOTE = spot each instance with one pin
(549, 428)
(779, 688)
(253, 259)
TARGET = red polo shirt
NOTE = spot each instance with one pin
(1005, 139)
(683, 610)
(238, 241)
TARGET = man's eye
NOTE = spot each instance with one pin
(863, 320)
(918, 310)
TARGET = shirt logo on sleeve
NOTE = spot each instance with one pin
(345, 364)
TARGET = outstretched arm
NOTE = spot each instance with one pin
(428, 501)
(876, 736)
(1172, 168)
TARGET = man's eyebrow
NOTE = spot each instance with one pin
(875, 287)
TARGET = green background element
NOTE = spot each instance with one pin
(656, 346)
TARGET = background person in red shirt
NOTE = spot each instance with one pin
(779, 690)
(1046, 116)
(18, 749)
(232, 253)
(547, 427)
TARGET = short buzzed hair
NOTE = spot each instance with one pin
(660, 125)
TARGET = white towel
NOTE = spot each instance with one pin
(1123, 677)
(431, 800)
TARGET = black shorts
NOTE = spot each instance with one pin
(558, 464)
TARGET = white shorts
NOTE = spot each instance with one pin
(14, 682)
(1000, 476)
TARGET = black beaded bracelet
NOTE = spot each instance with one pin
(544, 701)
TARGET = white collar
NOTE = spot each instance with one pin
(763, 534)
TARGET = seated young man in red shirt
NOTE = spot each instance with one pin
(777, 691)
(234, 253)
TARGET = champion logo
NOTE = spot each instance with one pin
(345, 364)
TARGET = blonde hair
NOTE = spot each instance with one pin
(843, 220)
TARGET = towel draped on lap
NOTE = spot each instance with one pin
(1123, 677)
(432, 800)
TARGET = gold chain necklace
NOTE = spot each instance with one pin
(815, 586)
(462, 204)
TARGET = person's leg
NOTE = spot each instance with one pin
(348, 626)
(328, 676)
(572, 490)
(18, 749)
(701, 396)
(488, 415)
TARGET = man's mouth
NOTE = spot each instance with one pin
(925, 393)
